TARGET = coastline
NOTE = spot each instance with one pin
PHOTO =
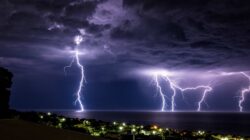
(115, 129)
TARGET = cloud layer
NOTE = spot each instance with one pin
(123, 35)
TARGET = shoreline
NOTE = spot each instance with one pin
(116, 130)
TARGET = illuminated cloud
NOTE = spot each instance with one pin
(120, 36)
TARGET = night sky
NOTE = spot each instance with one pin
(195, 39)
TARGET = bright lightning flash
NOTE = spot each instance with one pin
(244, 91)
(78, 39)
(165, 75)
(202, 100)
(158, 86)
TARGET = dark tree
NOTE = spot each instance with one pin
(5, 84)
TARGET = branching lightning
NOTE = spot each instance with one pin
(244, 91)
(158, 86)
(174, 87)
(78, 39)
(204, 93)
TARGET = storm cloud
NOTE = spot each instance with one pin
(123, 35)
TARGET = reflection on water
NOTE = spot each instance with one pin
(233, 123)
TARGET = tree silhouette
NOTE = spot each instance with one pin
(5, 84)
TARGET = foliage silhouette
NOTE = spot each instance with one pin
(5, 85)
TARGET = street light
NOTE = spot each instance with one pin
(133, 131)
(124, 124)
(120, 128)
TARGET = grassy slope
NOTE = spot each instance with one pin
(21, 130)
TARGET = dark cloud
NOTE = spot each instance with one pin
(167, 33)
(81, 10)
(35, 34)
(214, 31)
(121, 35)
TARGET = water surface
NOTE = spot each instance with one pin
(233, 123)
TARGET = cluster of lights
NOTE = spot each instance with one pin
(199, 133)
(219, 137)
(123, 128)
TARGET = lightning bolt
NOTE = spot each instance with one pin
(244, 91)
(78, 39)
(158, 86)
(204, 93)
(174, 87)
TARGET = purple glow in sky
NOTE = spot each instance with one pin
(120, 44)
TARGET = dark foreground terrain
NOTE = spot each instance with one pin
(12, 129)
(41, 125)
